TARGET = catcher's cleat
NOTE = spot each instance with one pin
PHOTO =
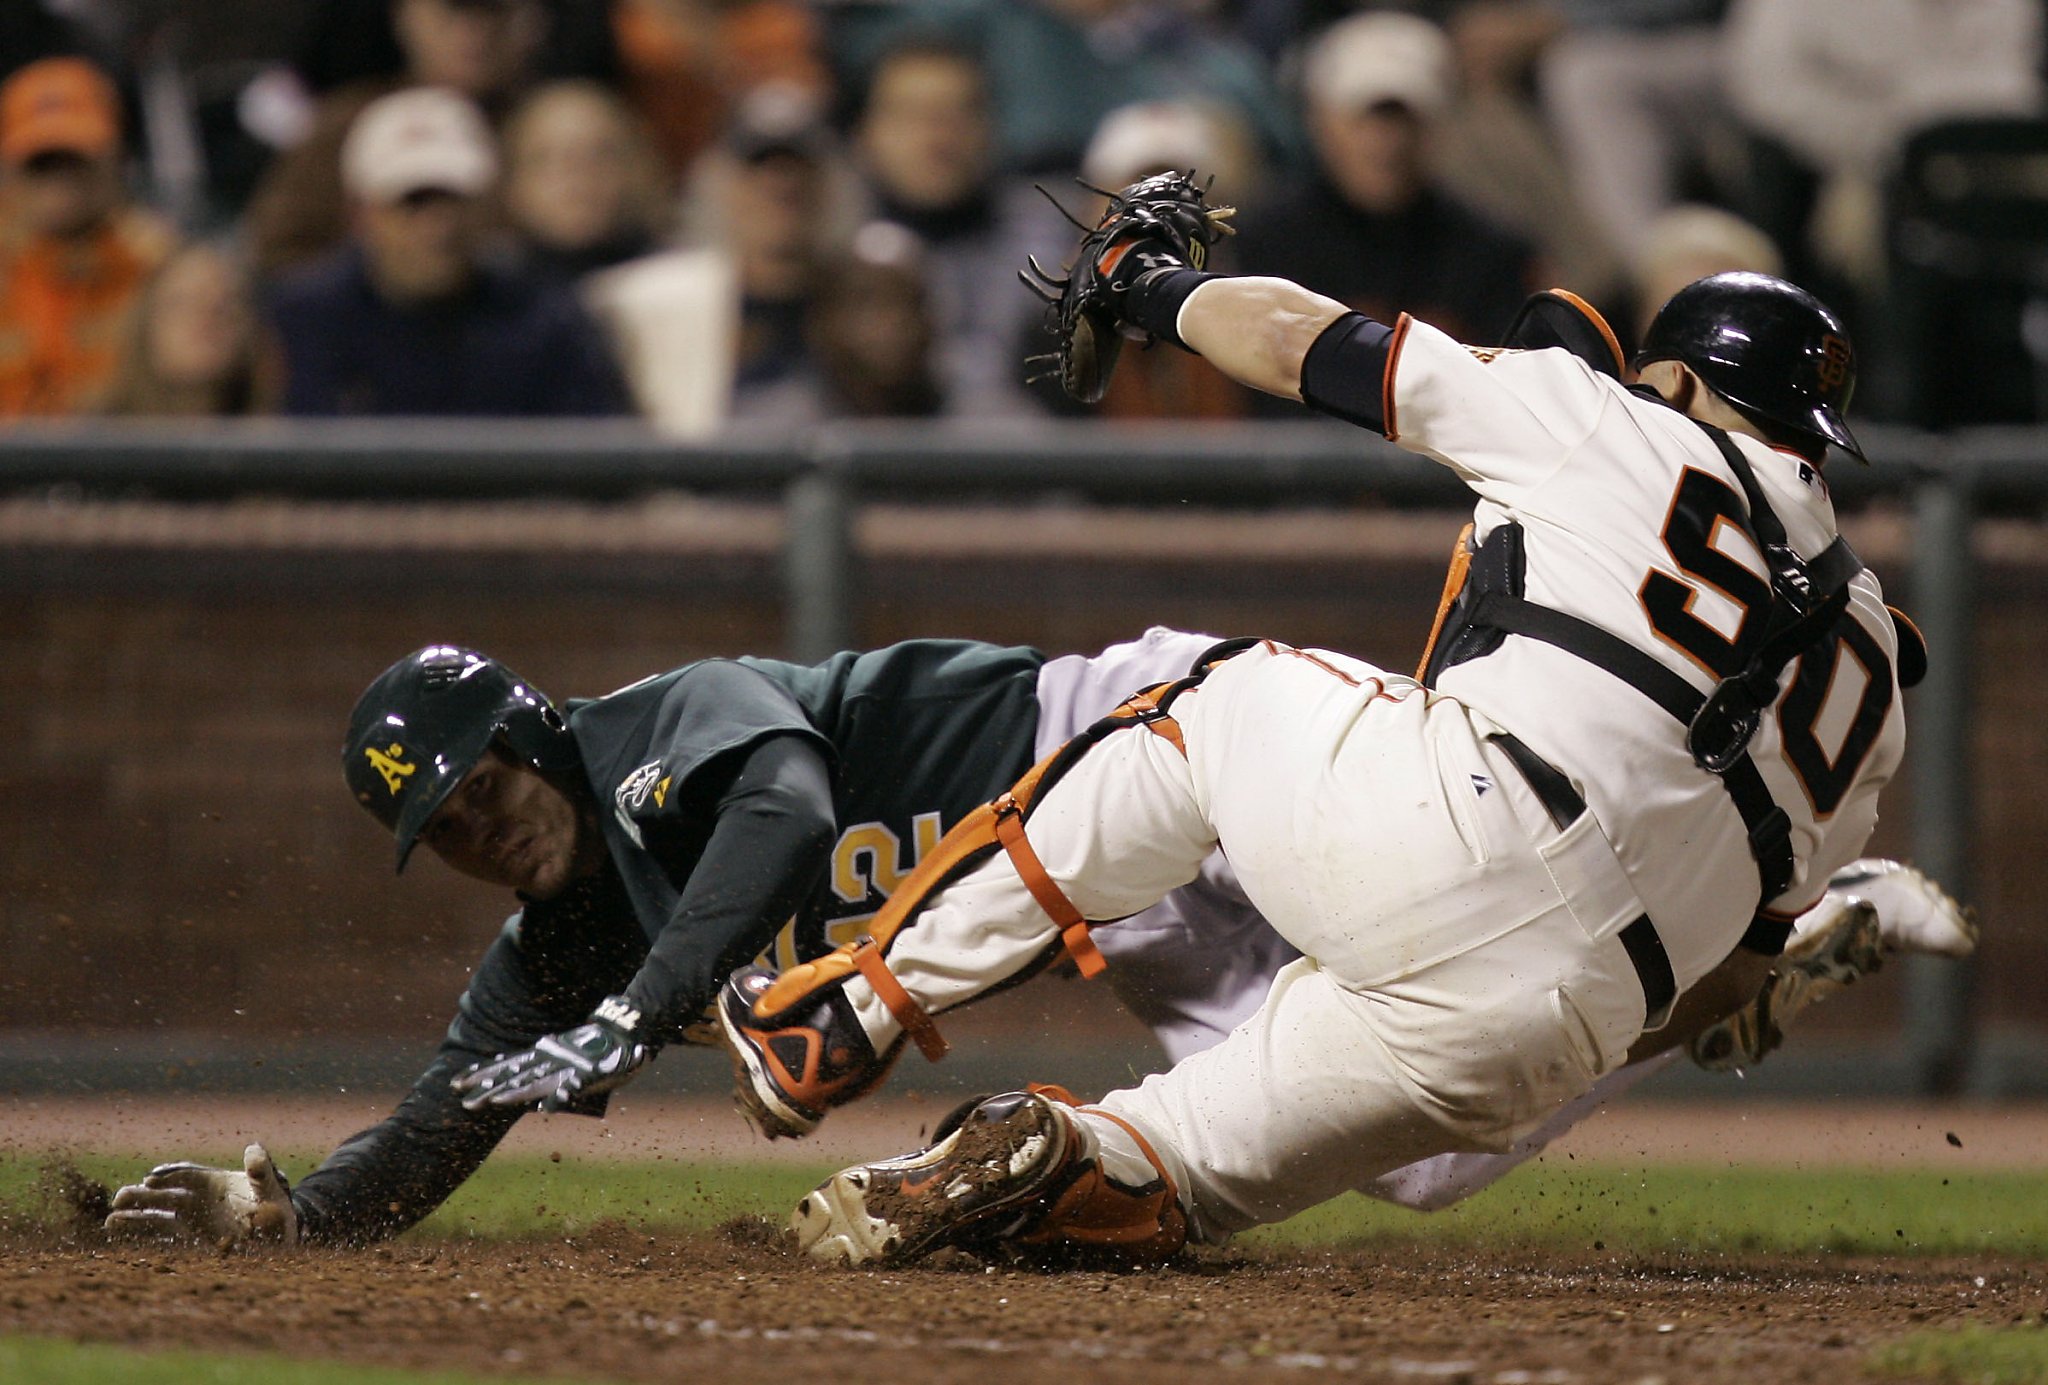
(1913, 913)
(1819, 962)
(792, 1067)
(987, 1176)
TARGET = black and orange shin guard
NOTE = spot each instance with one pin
(997, 826)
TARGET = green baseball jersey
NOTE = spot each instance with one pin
(917, 736)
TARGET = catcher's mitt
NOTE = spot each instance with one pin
(1163, 222)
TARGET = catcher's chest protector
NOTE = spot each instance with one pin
(1484, 603)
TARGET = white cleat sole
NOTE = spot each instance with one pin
(895, 1210)
(833, 1227)
(1913, 913)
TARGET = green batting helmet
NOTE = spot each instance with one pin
(425, 723)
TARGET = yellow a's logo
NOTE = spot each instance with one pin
(390, 763)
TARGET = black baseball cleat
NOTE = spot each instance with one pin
(790, 1068)
(987, 1175)
(1844, 945)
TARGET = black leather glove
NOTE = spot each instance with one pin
(1163, 222)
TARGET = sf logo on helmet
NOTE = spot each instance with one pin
(390, 762)
(1834, 362)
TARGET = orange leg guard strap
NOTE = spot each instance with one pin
(998, 823)
(915, 1019)
(1144, 706)
(1073, 928)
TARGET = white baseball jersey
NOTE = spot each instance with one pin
(1632, 521)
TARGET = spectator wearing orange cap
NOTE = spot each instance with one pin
(74, 256)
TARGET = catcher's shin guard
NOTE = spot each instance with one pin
(1013, 1175)
(793, 1064)
(797, 1048)
(1091, 1217)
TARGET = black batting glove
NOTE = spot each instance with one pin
(584, 1061)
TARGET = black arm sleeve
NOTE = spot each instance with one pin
(1344, 374)
(383, 1179)
(771, 838)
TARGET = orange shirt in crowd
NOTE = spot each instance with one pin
(64, 313)
(685, 63)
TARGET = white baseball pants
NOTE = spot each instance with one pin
(1463, 976)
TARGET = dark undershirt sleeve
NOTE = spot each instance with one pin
(771, 838)
(382, 1180)
(1344, 374)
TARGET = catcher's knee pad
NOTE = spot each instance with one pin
(1088, 1216)
(997, 826)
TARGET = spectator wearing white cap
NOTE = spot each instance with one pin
(490, 51)
(411, 317)
(1372, 226)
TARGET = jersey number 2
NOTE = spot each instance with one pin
(1701, 508)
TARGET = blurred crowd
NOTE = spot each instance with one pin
(709, 211)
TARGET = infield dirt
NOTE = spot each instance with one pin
(618, 1304)
(615, 1302)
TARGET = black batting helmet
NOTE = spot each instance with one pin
(428, 719)
(1768, 347)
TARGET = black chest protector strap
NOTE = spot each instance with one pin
(1809, 598)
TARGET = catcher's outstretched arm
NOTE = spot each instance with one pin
(1256, 330)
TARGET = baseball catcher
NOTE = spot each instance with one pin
(1655, 719)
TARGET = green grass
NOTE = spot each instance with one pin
(1969, 1356)
(1712, 1209)
(36, 1361)
(1582, 1205)
(513, 1196)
